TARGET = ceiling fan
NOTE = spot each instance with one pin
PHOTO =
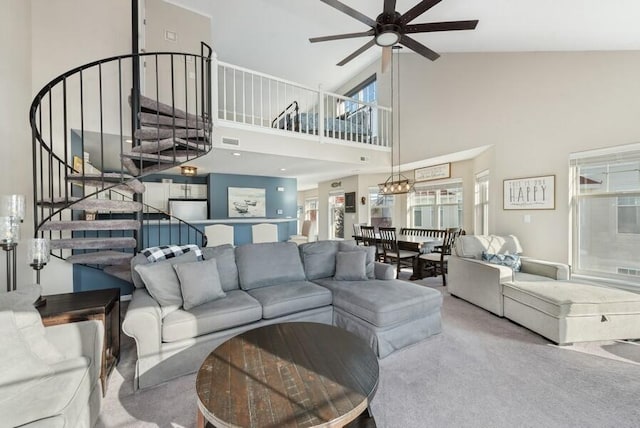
(390, 28)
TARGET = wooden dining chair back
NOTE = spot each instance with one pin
(391, 251)
(369, 239)
(357, 233)
(437, 260)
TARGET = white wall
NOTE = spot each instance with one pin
(15, 134)
(533, 108)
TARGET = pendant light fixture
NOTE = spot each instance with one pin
(397, 183)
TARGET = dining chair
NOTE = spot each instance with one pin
(218, 234)
(264, 232)
(306, 234)
(391, 250)
(357, 233)
(438, 259)
(369, 239)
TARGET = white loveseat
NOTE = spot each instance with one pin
(49, 377)
(481, 282)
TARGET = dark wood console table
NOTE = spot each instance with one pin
(102, 305)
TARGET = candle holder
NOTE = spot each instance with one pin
(39, 255)
(13, 206)
(9, 237)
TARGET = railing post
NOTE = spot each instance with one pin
(135, 107)
(321, 113)
(213, 90)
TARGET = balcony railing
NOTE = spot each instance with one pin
(256, 99)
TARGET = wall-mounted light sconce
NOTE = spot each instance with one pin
(188, 170)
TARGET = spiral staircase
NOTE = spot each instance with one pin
(95, 216)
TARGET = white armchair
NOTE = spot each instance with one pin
(480, 282)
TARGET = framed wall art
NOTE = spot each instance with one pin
(530, 193)
(350, 202)
(246, 202)
(435, 172)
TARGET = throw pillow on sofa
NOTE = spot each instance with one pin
(199, 282)
(510, 260)
(162, 282)
(351, 266)
(370, 251)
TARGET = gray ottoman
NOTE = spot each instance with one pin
(569, 311)
(389, 314)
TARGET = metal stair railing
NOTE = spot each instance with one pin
(92, 100)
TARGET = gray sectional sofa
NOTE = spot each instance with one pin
(331, 282)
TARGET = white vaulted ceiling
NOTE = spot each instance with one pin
(272, 35)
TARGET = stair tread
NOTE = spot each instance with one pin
(160, 119)
(90, 225)
(122, 272)
(134, 186)
(153, 106)
(92, 243)
(111, 177)
(93, 204)
(158, 146)
(154, 157)
(101, 258)
(152, 134)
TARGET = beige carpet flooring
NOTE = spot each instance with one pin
(482, 371)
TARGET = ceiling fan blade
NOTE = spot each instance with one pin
(419, 48)
(357, 52)
(386, 58)
(417, 10)
(441, 26)
(351, 12)
(389, 7)
(342, 36)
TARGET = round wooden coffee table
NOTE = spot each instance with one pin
(298, 374)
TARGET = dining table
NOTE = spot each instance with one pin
(419, 244)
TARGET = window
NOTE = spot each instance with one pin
(436, 206)
(481, 219)
(380, 208)
(606, 213)
(365, 92)
(336, 216)
(311, 210)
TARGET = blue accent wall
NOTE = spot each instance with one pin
(86, 278)
(275, 200)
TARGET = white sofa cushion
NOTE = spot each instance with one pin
(472, 246)
(567, 299)
(62, 397)
(20, 368)
(29, 323)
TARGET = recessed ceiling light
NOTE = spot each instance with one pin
(128, 141)
(283, 169)
(236, 153)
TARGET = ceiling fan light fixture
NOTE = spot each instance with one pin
(387, 38)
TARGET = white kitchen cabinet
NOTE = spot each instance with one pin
(192, 191)
(157, 195)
